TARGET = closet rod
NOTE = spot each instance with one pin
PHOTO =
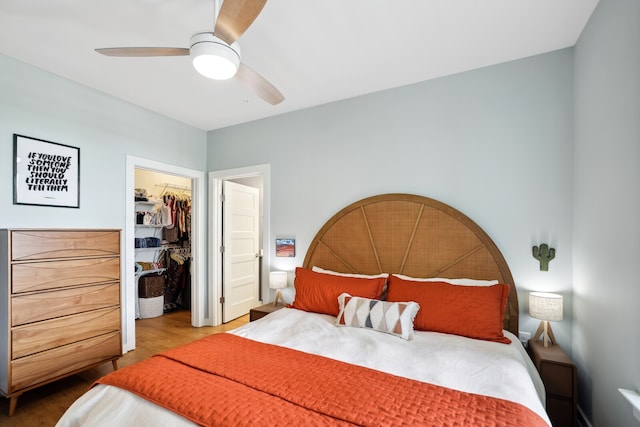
(173, 187)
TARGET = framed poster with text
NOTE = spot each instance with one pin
(45, 173)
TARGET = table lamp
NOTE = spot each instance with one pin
(277, 281)
(545, 307)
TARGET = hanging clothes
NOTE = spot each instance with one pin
(176, 233)
(176, 218)
(178, 279)
(165, 212)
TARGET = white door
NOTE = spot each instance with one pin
(240, 267)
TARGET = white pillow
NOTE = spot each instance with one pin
(288, 294)
(395, 318)
(362, 276)
(465, 282)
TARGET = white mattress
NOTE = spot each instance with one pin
(493, 369)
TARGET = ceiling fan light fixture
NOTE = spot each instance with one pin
(213, 58)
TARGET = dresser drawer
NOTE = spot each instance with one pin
(561, 412)
(558, 379)
(38, 276)
(49, 305)
(45, 244)
(42, 336)
(60, 361)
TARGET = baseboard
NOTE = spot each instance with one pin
(582, 419)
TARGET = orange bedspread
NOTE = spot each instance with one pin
(225, 380)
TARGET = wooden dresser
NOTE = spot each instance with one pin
(59, 305)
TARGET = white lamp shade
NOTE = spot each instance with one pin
(545, 306)
(213, 58)
(278, 279)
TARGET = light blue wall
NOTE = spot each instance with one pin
(42, 105)
(495, 143)
(606, 344)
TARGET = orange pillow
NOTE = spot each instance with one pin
(470, 311)
(319, 292)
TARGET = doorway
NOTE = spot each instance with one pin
(197, 245)
(163, 243)
(254, 176)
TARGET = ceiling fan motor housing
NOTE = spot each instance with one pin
(213, 58)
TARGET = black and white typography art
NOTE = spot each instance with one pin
(45, 173)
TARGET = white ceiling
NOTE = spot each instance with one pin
(314, 52)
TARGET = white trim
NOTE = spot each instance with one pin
(215, 223)
(198, 247)
(634, 398)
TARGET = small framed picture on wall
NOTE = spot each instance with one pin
(286, 247)
(45, 173)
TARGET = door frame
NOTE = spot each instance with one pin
(215, 225)
(198, 246)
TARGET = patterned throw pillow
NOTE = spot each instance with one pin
(394, 318)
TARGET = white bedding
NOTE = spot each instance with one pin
(494, 369)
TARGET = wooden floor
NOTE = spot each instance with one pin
(45, 405)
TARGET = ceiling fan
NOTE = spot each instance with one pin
(216, 54)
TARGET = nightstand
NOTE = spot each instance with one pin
(259, 312)
(560, 379)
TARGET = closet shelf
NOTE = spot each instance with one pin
(155, 248)
(149, 226)
(145, 272)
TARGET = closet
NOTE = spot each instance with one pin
(162, 243)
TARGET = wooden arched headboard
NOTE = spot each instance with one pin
(412, 235)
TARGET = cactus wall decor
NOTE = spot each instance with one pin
(544, 254)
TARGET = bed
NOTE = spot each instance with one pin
(405, 313)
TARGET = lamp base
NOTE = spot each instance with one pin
(545, 330)
(278, 297)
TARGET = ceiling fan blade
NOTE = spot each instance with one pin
(235, 17)
(143, 51)
(259, 85)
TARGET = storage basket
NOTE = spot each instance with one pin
(151, 307)
(151, 286)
